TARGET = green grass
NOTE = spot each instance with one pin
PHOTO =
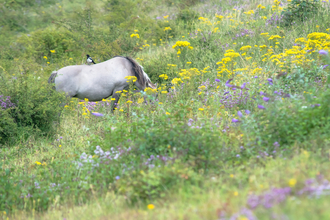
(182, 153)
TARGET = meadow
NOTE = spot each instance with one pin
(239, 129)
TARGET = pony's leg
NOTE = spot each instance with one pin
(116, 96)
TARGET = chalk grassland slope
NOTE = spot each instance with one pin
(239, 128)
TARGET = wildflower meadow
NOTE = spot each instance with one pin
(237, 129)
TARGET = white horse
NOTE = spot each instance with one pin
(100, 81)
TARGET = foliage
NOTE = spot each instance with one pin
(35, 108)
(298, 122)
(238, 102)
(300, 10)
(187, 15)
(155, 183)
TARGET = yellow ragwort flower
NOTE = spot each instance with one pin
(292, 182)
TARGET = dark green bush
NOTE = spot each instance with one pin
(41, 42)
(37, 107)
(295, 122)
(187, 15)
(8, 126)
(299, 10)
(155, 183)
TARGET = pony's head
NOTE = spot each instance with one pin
(151, 85)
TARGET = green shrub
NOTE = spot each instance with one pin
(187, 15)
(40, 43)
(300, 10)
(155, 183)
(170, 136)
(37, 107)
(8, 127)
(295, 122)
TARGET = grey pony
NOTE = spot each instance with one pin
(100, 81)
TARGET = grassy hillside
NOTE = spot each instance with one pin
(239, 130)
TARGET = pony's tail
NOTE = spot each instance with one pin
(138, 73)
(52, 77)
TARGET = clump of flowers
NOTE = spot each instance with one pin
(150, 91)
(182, 44)
(135, 35)
(130, 79)
(5, 102)
(163, 76)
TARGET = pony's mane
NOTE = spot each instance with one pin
(137, 69)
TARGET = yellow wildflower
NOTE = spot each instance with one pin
(261, 6)
(292, 182)
(135, 35)
(140, 100)
(151, 206)
(164, 76)
(181, 44)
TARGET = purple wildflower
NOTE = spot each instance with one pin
(97, 114)
(253, 201)
(227, 83)
(256, 77)
(239, 113)
(325, 66)
(323, 52)
(243, 86)
(234, 120)
(276, 144)
(117, 177)
(262, 93)
(217, 80)
(36, 184)
(270, 80)
(247, 112)
(261, 107)
(266, 99)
